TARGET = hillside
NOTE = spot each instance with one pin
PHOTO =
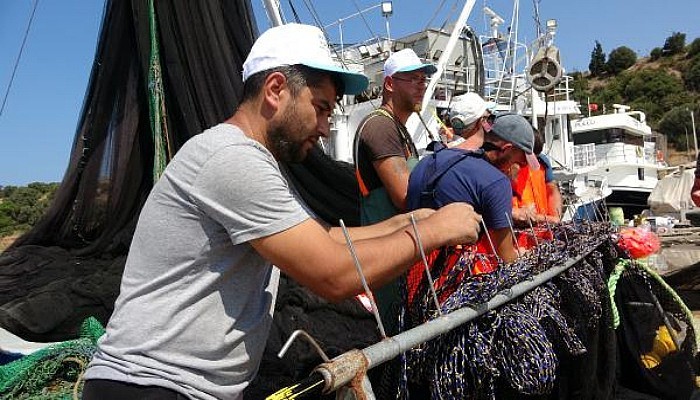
(665, 85)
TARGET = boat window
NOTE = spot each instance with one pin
(612, 135)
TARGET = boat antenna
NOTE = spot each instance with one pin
(435, 14)
(536, 16)
(19, 56)
(362, 15)
(314, 14)
(294, 11)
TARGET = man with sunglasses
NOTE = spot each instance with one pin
(477, 176)
(384, 151)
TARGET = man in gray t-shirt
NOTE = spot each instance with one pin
(198, 289)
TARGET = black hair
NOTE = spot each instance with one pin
(298, 76)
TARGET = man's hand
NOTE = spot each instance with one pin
(522, 215)
(457, 222)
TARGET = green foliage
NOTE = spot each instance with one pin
(649, 84)
(675, 44)
(692, 75)
(597, 64)
(677, 126)
(620, 59)
(693, 48)
(580, 85)
(22, 206)
(656, 53)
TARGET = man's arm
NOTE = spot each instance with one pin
(503, 241)
(393, 172)
(382, 228)
(554, 202)
(308, 254)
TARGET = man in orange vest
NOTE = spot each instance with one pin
(536, 194)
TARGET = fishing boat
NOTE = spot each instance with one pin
(68, 267)
(620, 148)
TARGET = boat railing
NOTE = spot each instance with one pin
(614, 153)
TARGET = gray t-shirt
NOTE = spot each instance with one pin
(196, 299)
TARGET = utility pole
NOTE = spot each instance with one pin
(695, 138)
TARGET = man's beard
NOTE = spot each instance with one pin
(281, 138)
(284, 148)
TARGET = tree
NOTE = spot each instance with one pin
(675, 124)
(22, 207)
(692, 76)
(649, 84)
(675, 44)
(693, 48)
(597, 64)
(620, 59)
(656, 53)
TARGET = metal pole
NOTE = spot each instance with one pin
(695, 138)
(273, 12)
(388, 34)
(368, 292)
(425, 264)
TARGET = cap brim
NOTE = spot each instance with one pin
(532, 161)
(354, 83)
(427, 68)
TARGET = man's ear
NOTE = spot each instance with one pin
(389, 84)
(273, 89)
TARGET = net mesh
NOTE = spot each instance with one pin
(54, 372)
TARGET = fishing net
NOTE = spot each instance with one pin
(54, 372)
(526, 347)
(68, 267)
(658, 341)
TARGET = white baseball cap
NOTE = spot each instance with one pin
(468, 108)
(293, 44)
(406, 60)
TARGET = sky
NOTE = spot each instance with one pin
(44, 101)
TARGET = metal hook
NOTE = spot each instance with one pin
(368, 292)
(595, 210)
(425, 264)
(512, 233)
(532, 229)
(493, 248)
(312, 342)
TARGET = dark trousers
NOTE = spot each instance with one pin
(103, 389)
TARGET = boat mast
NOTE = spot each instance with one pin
(274, 13)
(446, 54)
(425, 114)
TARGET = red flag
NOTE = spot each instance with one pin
(592, 107)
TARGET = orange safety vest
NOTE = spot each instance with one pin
(530, 188)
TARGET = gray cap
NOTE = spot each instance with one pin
(516, 129)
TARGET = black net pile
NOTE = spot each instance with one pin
(69, 266)
(556, 341)
(659, 340)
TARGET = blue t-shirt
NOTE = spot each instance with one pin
(472, 179)
(548, 171)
